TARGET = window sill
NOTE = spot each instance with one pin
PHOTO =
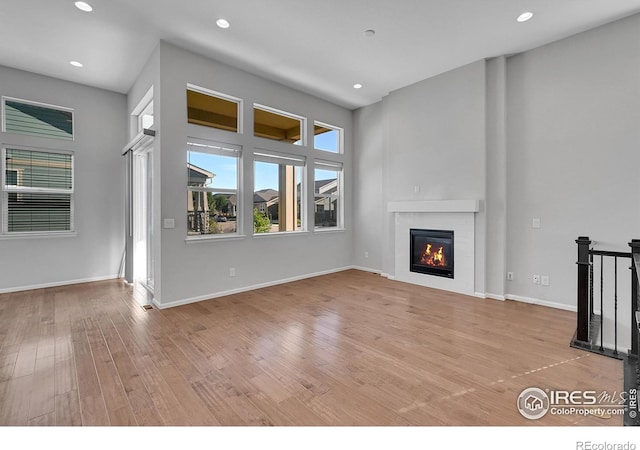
(329, 230)
(213, 238)
(280, 234)
(65, 234)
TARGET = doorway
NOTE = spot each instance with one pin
(142, 211)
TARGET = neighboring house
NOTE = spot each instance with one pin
(263, 201)
(197, 203)
(325, 206)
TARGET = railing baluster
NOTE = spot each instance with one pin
(590, 288)
(615, 305)
(601, 302)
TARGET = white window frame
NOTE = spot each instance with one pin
(43, 105)
(340, 137)
(268, 156)
(222, 149)
(302, 119)
(6, 190)
(238, 101)
(339, 168)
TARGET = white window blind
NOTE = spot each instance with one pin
(37, 191)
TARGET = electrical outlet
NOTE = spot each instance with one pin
(366, 254)
(535, 223)
(510, 276)
(544, 279)
(536, 279)
(416, 188)
(232, 271)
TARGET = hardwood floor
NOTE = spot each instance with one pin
(350, 348)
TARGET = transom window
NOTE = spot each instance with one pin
(213, 109)
(277, 125)
(36, 119)
(327, 137)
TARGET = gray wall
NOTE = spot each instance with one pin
(198, 270)
(551, 133)
(572, 136)
(368, 194)
(96, 251)
(433, 136)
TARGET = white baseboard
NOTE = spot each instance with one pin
(57, 284)
(495, 297)
(367, 269)
(535, 301)
(200, 298)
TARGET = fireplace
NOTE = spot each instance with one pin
(431, 252)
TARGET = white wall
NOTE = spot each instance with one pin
(573, 130)
(198, 270)
(96, 251)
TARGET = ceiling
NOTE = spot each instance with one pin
(318, 47)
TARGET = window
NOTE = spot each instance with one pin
(37, 191)
(328, 195)
(145, 118)
(212, 109)
(327, 137)
(278, 193)
(36, 119)
(277, 125)
(212, 188)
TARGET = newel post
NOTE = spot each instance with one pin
(582, 331)
(635, 254)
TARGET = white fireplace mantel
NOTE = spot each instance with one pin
(434, 206)
(455, 215)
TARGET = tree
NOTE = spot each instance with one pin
(261, 223)
(219, 203)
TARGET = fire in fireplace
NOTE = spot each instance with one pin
(432, 252)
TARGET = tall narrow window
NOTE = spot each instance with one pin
(212, 188)
(278, 195)
(37, 191)
(328, 199)
(36, 119)
(277, 125)
(327, 137)
(213, 109)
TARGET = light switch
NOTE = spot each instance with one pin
(169, 223)
(536, 223)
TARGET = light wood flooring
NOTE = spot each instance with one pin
(351, 348)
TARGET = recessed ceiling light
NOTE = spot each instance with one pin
(223, 23)
(357, 86)
(525, 16)
(84, 6)
(76, 64)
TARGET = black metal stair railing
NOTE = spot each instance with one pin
(590, 323)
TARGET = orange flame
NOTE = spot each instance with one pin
(435, 259)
